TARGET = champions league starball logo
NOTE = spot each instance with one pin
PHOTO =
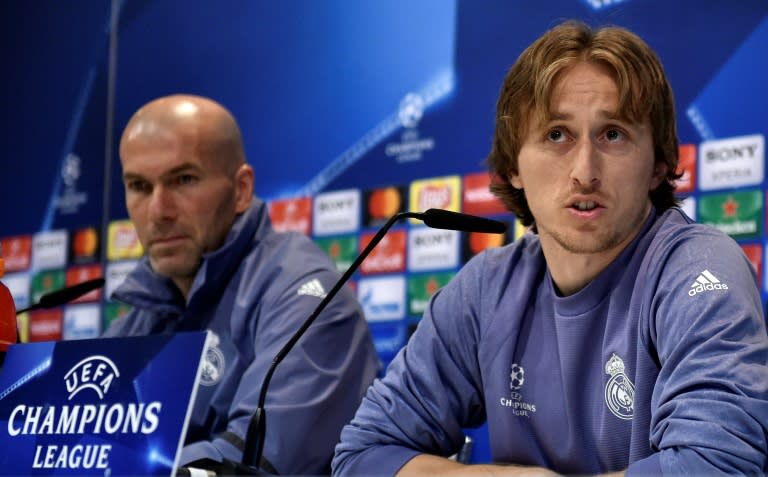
(411, 110)
(516, 377)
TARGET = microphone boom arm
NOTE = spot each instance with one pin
(257, 426)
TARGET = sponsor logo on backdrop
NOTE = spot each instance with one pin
(411, 146)
(754, 253)
(738, 214)
(435, 193)
(432, 249)
(422, 287)
(82, 274)
(476, 242)
(342, 250)
(688, 205)
(71, 199)
(19, 286)
(17, 253)
(337, 212)
(619, 390)
(116, 274)
(49, 249)
(122, 241)
(388, 256)
(477, 197)
(388, 338)
(520, 229)
(382, 203)
(292, 215)
(114, 310)
(45, 325)
(46, 281)
(382, 298)
(733, 162)
(82, 321)
(515, 400)
(687, 167)
(85, 245)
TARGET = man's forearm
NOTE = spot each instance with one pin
(425, 465)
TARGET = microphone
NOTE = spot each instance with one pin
(64, 295)
(446, 219)
(435, 218)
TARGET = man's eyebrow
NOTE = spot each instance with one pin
(173, 171)
(558, 115)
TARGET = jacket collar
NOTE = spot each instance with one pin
(146, 289)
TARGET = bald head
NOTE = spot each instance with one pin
(186, 181)
(201, 122)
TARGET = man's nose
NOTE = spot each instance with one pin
(162, 205)
(585, 171)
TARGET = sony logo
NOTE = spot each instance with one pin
(746, 151)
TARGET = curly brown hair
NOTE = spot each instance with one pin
(644, 92)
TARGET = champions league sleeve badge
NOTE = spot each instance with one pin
(619, 390)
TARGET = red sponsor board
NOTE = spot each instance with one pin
(17, 252)
(291, 215)
(45, 325)
(388, 255)
(754, 253)
(477, 199)
(687, 167)
(83, 273)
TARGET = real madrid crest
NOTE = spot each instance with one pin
(619, 390)
(213, 361)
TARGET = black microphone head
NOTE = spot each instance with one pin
(65, 295)
(446, 219)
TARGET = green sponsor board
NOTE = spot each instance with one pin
(422, 287)
(342, 250)
(44, 282)
(737, 213)
(114, 310)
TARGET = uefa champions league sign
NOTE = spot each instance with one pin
(107, 407)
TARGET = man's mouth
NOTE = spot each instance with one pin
(584, 205)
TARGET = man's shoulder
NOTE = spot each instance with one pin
(674, 227)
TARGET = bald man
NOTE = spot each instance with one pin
(212, 262)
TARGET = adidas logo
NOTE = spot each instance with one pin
(704, 282)
(312, 288)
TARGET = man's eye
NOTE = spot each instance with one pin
(613, 135)
(186, 179)
(556, 135)
(138, 186)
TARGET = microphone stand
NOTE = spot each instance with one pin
(254, 443)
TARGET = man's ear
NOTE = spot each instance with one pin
(515, 180)
(659, 174)
(243, 188)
